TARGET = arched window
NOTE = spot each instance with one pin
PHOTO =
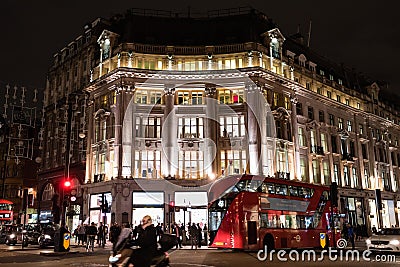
(48, 192)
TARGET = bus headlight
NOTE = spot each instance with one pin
(394, 242)
(368, 241)
(12, 236)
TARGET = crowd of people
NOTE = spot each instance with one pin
(193, 234)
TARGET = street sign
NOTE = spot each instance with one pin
(322, 239)
(66, 240)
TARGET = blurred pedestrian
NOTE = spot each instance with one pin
(351, 235)
(193, 235)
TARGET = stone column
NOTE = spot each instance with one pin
(211, 152)
(169, 156)
(297, 171)
(124, 97)
(90, 140)
(254, 128)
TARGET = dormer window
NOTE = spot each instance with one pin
(275, 47)
(312, 66)
(106, 49)
(302, 60)
(340, 81)
(321, 72)
(331, 77)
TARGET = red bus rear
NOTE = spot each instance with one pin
(249, 212)
(6, 211)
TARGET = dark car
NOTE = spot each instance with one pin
(11, 235)
(32, 234)
(46, 237)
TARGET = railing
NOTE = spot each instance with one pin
(283, 175)
(319, 150)
(99, 178)
(348, 157)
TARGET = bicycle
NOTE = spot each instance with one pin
(90, 242)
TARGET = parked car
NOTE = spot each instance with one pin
(388, 239)
(46, 237)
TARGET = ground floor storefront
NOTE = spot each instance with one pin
(359, 208)
(125, 201)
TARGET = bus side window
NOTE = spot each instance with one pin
(271, 188)
(281, 190)
(293, 190)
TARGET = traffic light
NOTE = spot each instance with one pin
(67, 190)
(171, 206)
(378, 199)
(334, 194)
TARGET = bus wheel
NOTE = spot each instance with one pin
(269, 241)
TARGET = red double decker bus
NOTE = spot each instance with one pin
(6, 211)
(250, 212)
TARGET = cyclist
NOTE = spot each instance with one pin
(91, 234)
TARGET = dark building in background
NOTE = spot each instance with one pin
(20, 150)
(331, 123)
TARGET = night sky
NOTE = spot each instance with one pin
(360, 34)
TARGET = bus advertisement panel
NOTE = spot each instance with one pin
(249, 212)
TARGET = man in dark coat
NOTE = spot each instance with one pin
(147, 241)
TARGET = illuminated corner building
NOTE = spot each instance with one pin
(331, 124)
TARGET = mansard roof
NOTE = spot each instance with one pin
(177, 30)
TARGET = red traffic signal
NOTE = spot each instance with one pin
(67, 184)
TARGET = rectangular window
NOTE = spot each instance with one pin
(302, 137)
(147, 164)
(232, 126)
(233, 162)
(349, 126)
(327, 174)
(331, 119)
(321, 116)
(334, 144)
(347, 102)
(324, 142)
(227, 96)
(190, 127)
(364, 151)
(336, 175)
(311, 113)
(355, 177)
(308, 85)
(299, 108)
(287, 103)
(191, 164)
(276, 99)
(329, 94)
(316, 172)
(367, 183)
(141, 97)
(346, 176)
(303, 170)
(338, 98)
(148, 127)
(361, 129)
(340, 123)
(319, 90)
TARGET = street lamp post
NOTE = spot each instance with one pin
(5, 131)
(65, 185)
